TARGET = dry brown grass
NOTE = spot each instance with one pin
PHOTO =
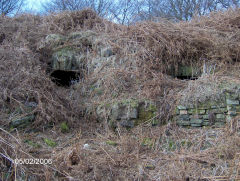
(171, 153)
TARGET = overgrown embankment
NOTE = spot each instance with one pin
(66, 78)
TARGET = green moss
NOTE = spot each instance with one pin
(185, 71)
(133, 103)
(31, 143)
(144, 116)
(50, 142)
(64, 127)
(152, 108)
(171, 145)
(112, 143)
(148, 142)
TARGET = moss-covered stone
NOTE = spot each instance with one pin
(206, 123)
(196, 121)
(206, 116)
(183, 123)
(188, 71)
(220, 116)
(64, 59)
(197, 111)
(220, 110)
(146, 114)
(232, 102)
(183, 112)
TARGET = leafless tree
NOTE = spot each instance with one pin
(99, 6)
(10, 6)
(185, 9)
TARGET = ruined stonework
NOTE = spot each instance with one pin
(210, 113)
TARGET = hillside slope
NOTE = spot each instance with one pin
(99, 99)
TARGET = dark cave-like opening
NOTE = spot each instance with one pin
(186, 78)
(64, 78)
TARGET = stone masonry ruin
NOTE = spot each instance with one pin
(210, 113)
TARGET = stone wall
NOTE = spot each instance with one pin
(210, 113)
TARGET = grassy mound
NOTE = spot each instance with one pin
(153, 51)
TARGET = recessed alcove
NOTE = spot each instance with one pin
(64, 78)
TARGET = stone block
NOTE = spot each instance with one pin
(206, 123)
(180, 107)
(232, 102)
(183, 112)
(183, 117)
(201, 111)
(220, 116)
(183, 123)
(232, 113)
(196, 111)
(205, 116)
(231, 108)
(219, 124)
(196, 121)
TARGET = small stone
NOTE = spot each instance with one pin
(232, 113)
(205, 116)
(106, 52)
(183, 123)
(196, 121)
(86, 146)
(181, 107)
(183, 117)
(220, 116)
(220, 110)
(183, 112)
(232, 102)
(202, 111)
(191, 111)
(206, 123)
